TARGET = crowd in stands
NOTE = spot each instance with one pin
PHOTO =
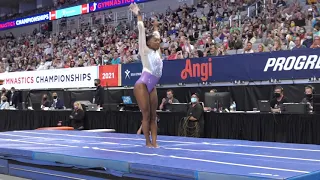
(206, 29)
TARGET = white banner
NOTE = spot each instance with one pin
(51, 79)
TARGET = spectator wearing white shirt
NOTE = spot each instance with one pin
(5, 104)
(248, 48)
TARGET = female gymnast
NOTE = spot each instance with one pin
(144, 89)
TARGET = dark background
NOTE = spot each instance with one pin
(246, 97)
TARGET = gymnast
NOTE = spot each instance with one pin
(144, 89)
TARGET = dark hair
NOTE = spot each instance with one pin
(310, 87)
(170, 90)
(279, 87)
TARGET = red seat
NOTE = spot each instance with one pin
(64, 128)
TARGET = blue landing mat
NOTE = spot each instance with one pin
(177, 157)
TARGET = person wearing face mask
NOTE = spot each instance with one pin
(278, 99)
(193, 124)
(169, 100)
(57, 102)
(4, 104)
(77, 117)
(308, 99)
(309, 40)
(99, 94)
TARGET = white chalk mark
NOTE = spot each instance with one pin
(243, 154)
(180, 142)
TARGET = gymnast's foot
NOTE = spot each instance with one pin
(149, 145)
(155, 145)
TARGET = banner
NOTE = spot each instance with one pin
(110, 75)
(109, 4)
(25, 21)
(51, 79)
(281, 65)
(69, 12)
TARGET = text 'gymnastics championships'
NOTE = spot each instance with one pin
(50, 79)
(25, 21)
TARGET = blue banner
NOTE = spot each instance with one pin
(281, 65)
(25, 21)
(109, 4)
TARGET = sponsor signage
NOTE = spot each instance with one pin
(25, 21)
(110, 75)
(51, 79)
(281, 65)
(109, 4)
(69, 12)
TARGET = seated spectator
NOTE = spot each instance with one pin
(316, 42)
(260, 48)
(116, 59)
(57, 102)
(248, 48)
(298, 44)
(5, 104)
(45, 102)
(309, 40)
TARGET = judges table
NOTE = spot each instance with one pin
(295, 128)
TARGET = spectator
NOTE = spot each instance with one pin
(298, 43)
(57, 102)
(45, 102)
(4, 105)
(248, 48)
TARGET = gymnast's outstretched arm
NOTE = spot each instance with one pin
(142, 35)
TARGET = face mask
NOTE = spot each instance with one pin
(4, 100)
(75, 107)
(193, 100)
(309, 96)
(95, 84)
(44, 98)
(105, 60)
(55, 97)
(169, 96)
(194, 27)
(309, 37)
(277, 95)
(292, 24)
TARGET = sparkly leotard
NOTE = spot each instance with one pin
(151, 61)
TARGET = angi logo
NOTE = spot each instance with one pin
(202, 70)
(127, 72)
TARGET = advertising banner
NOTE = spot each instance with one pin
(51, 79)
(282, 65)
(69, 12)
(110, 75)
(109, 4)
(25, 21)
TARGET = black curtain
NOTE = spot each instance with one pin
(246, 97)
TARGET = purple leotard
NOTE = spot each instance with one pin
(151, 61)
